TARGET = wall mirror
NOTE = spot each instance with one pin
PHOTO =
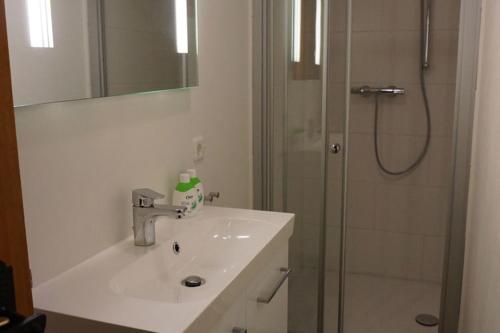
(74, 49)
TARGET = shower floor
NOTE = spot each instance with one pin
(373, 304)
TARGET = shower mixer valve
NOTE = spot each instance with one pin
(367, 91)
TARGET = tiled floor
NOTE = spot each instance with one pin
(384, 305)
(302, 301)
(373, 304)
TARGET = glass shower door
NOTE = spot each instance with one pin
(296, 118)
(368, 246)
(397, 189)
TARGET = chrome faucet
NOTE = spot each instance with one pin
(146, 212)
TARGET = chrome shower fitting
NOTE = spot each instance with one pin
(367, 91)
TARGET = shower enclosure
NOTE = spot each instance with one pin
(362, 129)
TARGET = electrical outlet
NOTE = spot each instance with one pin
(199, 149)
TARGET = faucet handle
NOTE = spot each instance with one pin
(145, 197)
(211, 196)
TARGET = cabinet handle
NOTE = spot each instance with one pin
(239, 330)
(286, 272)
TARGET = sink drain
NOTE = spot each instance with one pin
(428, 320)
(193, 281)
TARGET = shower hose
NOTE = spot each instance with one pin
(424, 150)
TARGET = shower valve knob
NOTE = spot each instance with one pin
(239, 330)
(335, 148)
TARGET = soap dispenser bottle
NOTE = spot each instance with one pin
(185, 194)
(198, 187)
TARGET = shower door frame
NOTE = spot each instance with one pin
(468, 52)
(465, 94)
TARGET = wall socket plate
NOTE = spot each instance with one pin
(199, 149)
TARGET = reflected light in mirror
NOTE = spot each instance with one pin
(297, 27)
(196, 15)
(317, 49)
(40, 23)
(181, 25)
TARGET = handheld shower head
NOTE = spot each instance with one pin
(426, 31)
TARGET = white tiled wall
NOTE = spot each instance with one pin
(396, 225)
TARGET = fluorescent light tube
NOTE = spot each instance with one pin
(181, 25)
(40, 23)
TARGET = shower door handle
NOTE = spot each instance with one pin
(335, 148)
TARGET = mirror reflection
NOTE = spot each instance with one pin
(75, 49)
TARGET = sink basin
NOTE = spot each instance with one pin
(212, 249)
(141, 287)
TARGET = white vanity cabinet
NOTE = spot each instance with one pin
(263, 307)
(233, 319)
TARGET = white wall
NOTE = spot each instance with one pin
(80, 160)
(481, 290)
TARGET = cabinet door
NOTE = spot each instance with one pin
(233, 319)
(269, 317)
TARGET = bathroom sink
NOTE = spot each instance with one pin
(141, 287)
(213, 249)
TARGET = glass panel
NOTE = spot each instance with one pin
(304, 157)
(298, 150)
(403, 69)
(396, 223)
